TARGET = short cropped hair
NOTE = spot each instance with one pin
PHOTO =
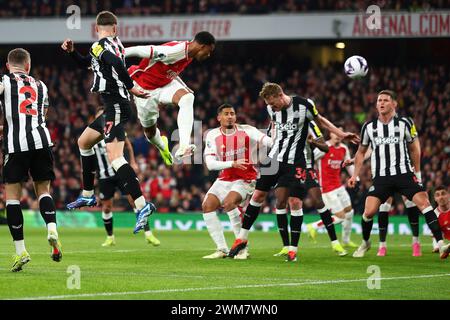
(204, 37)
(224, 106)
(390, 93)
(106, 18)
(18, 56)
(270, 89)
(440, 188)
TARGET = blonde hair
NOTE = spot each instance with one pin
(270, 89)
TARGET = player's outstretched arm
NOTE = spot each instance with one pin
(327, 124)
(81, 61)
(414, 151)
(213, 164)
(138, 51)
(319, 143)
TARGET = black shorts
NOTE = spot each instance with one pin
(117, 112)
(311, 181)
(98, 124)
(17, 167)
(286, 176)
(108, 187)
(405, 184)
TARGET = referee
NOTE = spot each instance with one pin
(395, 146)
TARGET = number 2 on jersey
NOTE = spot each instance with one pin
(26, 107)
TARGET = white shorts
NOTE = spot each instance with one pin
(148, 109)
(337, 200)
(222, 188)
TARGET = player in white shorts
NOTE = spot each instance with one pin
(157, 74)
(334, 194)
(231, 148)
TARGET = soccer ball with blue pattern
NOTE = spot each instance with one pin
(356, 67)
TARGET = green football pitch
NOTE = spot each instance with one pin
(175, 270)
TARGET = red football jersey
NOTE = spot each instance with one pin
(162, 66)
(444, 222)
(330, 167)
(242, 144)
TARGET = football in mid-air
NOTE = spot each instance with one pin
(356, 67)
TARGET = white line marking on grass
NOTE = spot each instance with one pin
(245, 286)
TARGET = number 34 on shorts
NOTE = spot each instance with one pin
(301, 173)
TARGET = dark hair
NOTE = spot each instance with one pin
(106, 18)
(18, 56)
(439, 188)
(224, 106)
(204, 37)
(390, 93)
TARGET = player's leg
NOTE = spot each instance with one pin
(370, 209)
(295, 205)
(107, 187)
(325, 215)
(250, 216)
(179, 94)
(331, 201)
(230, 206)
(148, 114)
(210, 205)
(383, 223)
(42, 173)
(413, 217)
(423, 204)
(88, 139)
(14, 217)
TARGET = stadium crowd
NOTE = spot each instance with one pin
(55, 8)
(423, 92)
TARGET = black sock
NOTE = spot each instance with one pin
(413, 217)
(328, 223)
(89, 166)
(366, 228)
(147, 227)
(109, 225)
(383, 222)
(283, 228)
(15, 221)
(433, 224)
(296, 229)
(129, 180)
(250, 216)
(48, 209)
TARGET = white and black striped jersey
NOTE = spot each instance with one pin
(105, 170)
(290, 127)
(24, 102)
(106, 78)
(390, 154)
(316, 134)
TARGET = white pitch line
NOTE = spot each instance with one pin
(295, 284)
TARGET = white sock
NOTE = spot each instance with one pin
(20, 246)
(87, 193)
(51, 227)
(148, 233)
(235, 220)
(140, 202)
(185, 118)
(215, 230)
(435, 244)
(243, 234)
(415, 240)
(156, 139)
(292, 248)
(347, 226)
(335, 242)
(440, 243)
(382, 244)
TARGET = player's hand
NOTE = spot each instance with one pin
(139, 93)
(352, 182)
(348, 162)
(352, 137)
(68, 46)
(240, 164)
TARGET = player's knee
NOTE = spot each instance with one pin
(294, 203)
(229, 205)
(208, 206)
(186, 100)
(258, 197)
(107, 208)
(281, 204)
